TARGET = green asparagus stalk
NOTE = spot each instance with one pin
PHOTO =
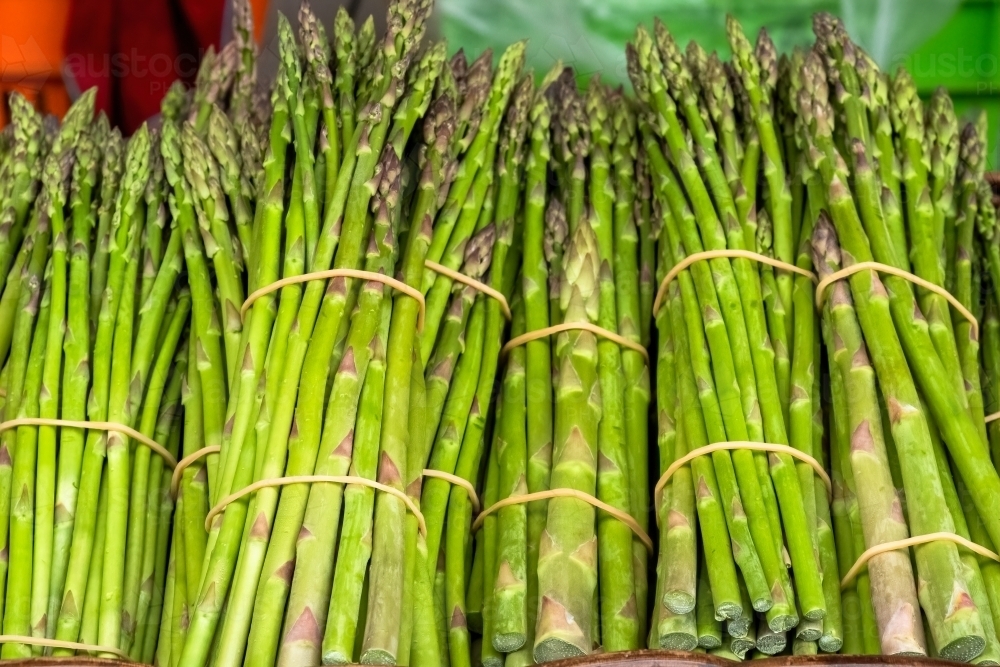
(76, 373)
(509, 602)
(565, 582)
(55, 181)
(459, 640)
(17, 620)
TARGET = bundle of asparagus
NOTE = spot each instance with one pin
(572, 410)
(927, 439)
(267, 587)
(95, 325)
(736, 357)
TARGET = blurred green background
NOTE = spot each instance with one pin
(951, 43)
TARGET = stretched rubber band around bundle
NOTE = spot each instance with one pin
(899, 273)
(339, 273)
(571, 326)
(739, 444)
(175, 479)
(473, 283)
(624, 517)
(916, 540)
(316, 479)
(457, 481)
(723, 254)
(992, 418)
(157, 448)
(58, 643)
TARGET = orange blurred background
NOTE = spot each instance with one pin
(31, 49)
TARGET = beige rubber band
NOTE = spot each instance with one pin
(316, 479)
(992, 418)
(879, 549)
(339, 273)
(457, 481)
(567, 493)
(473, 283)
(175, 479)
(723, 254)
(57, 643)
(899, 273)
(572, 326)
(738, 444)
(93, 426)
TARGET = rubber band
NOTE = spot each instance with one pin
(723, 254)
(93, 426)
(473, 283)
(899, 273)
(58, 643)
(572, 326)
(398, 285)
(316, 479)
(457, 481)
(738, 444)
(992, 418)
(624, 517)
(175, 479)
(895, 545)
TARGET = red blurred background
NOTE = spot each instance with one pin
(52, 49)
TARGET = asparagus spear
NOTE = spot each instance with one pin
(565, 583)
(346, 601)
(678, 565)
(17, 620)
(509, 600)
(24, 174)
(76, 374)
(55, 181)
